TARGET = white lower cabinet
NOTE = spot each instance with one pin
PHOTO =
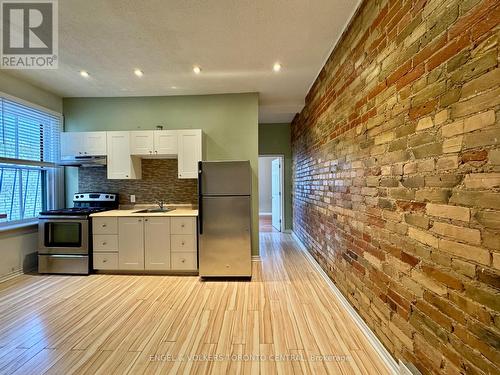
(145, 243)
(157, 243)
(130, 243)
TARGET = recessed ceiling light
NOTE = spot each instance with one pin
(277, 67)
(138, 72)
(196, 69)
(84, 73)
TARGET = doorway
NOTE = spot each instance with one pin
(271, 193)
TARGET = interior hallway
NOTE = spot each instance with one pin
(145, 324)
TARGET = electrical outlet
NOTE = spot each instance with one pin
(132, 198)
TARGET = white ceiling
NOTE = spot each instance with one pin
(236, 42)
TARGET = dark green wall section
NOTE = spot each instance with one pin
(274, 139)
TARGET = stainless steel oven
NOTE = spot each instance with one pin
(64, 236)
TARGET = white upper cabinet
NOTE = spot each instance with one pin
(141, 142)
(121, 165)
(165, 142)
(153, 143)
(189, 143)
(83, 144)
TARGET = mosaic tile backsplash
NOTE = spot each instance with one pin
(159, 181)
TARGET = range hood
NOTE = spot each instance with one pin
(83, 161)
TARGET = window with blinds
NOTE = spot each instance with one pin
(29, 147)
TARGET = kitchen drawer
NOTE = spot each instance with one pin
(184, 261)
(105, 225)
(105, 261)
(183, 225)
(183, 242)
(105, 242)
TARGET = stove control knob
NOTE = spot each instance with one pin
(107, 196)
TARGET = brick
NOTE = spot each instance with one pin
(442, 277)
(441, 117)
(489, 219)
(432, 149)
(453, 144)
(423, 237)
(448, 212)
(488, 277)
(472, 236)
(433, 195)
(482, 83)
(410, 206)
(465, 268)
(447, 162)
(451, 49)
(417, 220)
(475, 155)
(485, 137)
(401, 193)
(486, 100)
(482, 199)
(443, 180)
(494, 157)
(491, 239)
(496, 261)
(484, 296)
(453, 129)
(384, 138)
(479, 121)
(482, 180)
(473, 253)
(425, 123)
(475, 67)
(428, 283)
(421, 139)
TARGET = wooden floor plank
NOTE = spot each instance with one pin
(118, 324)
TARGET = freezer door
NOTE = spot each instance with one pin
(225, 178)
(225, 243)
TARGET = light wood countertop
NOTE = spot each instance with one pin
(178, 211)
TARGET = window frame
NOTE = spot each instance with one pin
(52, 175)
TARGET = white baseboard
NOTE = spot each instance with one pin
(384, 355)
(11, 275)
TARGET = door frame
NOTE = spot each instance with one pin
(282, 186)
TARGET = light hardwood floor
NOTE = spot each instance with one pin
(117, 324)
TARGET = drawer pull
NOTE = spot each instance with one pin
(104, 243)
(183, 243)
(104, 225)
(182, 225)
(104, 260)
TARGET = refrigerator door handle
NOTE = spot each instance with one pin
(200, 200)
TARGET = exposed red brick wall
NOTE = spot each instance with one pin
(396, 174)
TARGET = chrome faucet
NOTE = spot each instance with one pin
(160, 204)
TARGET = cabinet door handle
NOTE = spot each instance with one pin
(182, 243)
(140, 220)
(145, 219)
(150, 151)
(104, 260)
(104, 243)
(182, 225)
(126, 175)
(104, 225)
(183, 260)
(156, 151)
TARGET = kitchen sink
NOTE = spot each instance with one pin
(153, 210)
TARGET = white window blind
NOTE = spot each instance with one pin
(29, 147)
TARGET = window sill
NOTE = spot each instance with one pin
(18, 226)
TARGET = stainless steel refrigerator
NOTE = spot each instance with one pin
(225, 215)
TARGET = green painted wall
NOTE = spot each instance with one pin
(274, 139)
(26, 91)
(229, 123)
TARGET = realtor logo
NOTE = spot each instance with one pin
(29, 34)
